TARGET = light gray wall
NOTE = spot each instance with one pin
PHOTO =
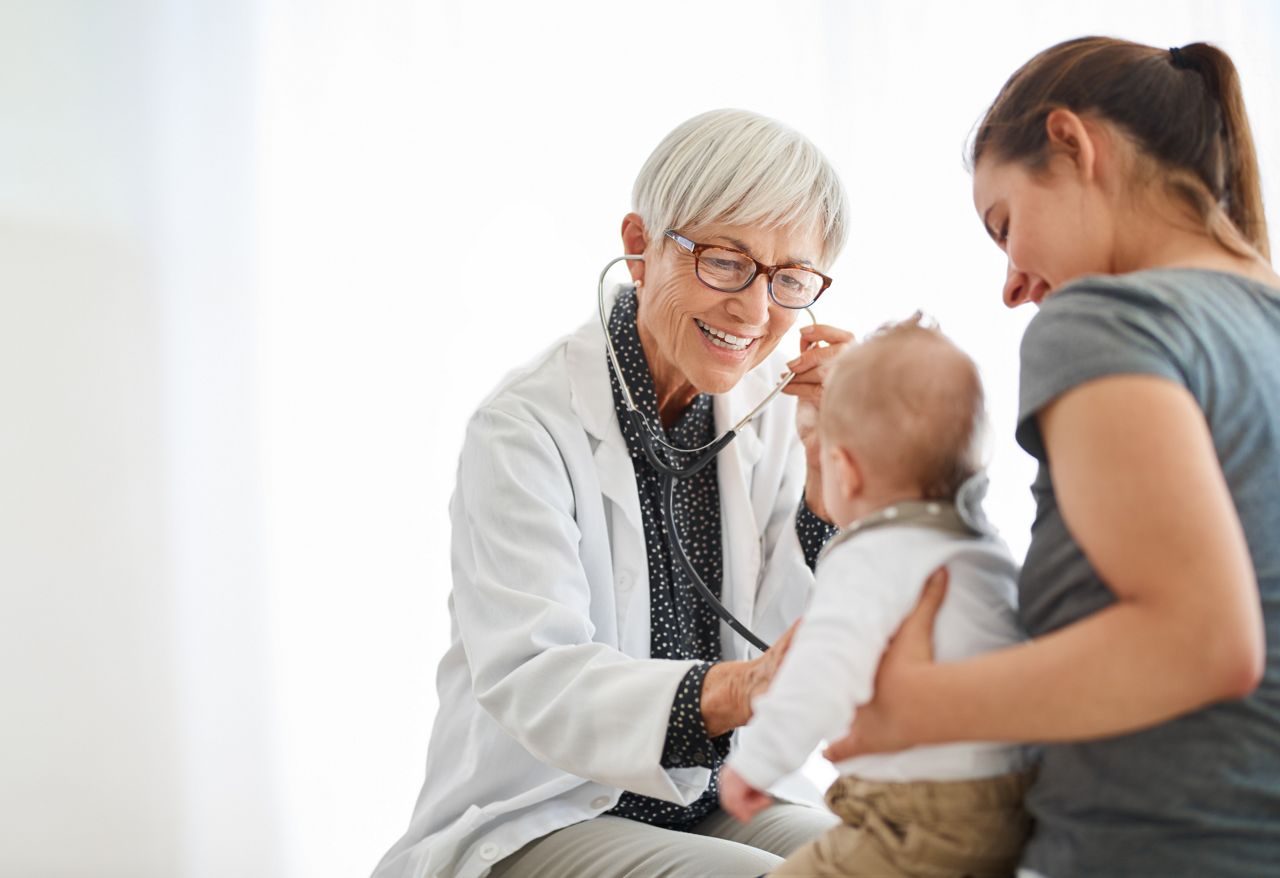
(135, 737)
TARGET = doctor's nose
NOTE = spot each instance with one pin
(1017, 286)
(751, 305)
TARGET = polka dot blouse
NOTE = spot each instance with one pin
(682, 625)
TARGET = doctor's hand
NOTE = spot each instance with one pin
(819, 346)
(728, 687)
(887, 723)
(740, 798)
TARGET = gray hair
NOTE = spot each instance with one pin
(739, 168)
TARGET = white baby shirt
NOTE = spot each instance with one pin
(866, 585)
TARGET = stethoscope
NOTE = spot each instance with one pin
(650, 439)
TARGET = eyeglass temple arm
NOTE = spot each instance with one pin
(680, 239)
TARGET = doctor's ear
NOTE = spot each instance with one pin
(634, 240)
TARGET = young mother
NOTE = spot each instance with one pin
(588, 693)
(1122, 183)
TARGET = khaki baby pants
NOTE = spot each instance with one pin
(924, 829)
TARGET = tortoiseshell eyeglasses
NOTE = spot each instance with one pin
(732, 271)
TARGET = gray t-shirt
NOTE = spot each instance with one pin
(1199, 795)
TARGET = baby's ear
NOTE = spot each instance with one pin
(848, 473)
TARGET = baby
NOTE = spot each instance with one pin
(901, 430)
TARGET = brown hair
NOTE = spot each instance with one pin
(909, 404)
(1182, 108)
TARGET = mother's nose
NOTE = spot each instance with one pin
(1016, 287)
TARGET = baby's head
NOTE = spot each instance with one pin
(902, 419)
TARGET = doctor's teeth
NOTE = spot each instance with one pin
(722, 338)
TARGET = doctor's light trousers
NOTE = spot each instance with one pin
(615, 847)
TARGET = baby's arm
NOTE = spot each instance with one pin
(829, 668)
(740, 798)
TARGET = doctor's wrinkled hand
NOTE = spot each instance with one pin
(729, 686)
(819, 347)
(891, 720)
(739, 798)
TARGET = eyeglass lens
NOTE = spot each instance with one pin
(729, 272)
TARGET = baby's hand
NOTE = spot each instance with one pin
(739, 798)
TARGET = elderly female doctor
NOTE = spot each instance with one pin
(588, 693)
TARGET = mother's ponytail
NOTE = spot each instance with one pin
(1242, 198)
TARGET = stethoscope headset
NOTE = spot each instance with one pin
(682, 462)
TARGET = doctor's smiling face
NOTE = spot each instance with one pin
(683, 323)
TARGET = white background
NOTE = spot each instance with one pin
(258, 261)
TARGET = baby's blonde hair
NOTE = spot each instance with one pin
(909, 405)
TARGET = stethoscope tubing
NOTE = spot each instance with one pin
(678, 552)
(650, 439)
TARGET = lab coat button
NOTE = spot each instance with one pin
(600, 802)
(488, 851)
(624, 582)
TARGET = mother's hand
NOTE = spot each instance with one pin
(819, 346)
(888, 723)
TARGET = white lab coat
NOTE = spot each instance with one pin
(549, 705)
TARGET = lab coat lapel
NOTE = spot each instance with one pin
(591, 398)
(740, 533)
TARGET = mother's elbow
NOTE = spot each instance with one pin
(1243, 672)
(1237, 659)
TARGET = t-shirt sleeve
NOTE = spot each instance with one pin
(1092, 330)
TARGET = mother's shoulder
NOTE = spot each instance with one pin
(1171, 286)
